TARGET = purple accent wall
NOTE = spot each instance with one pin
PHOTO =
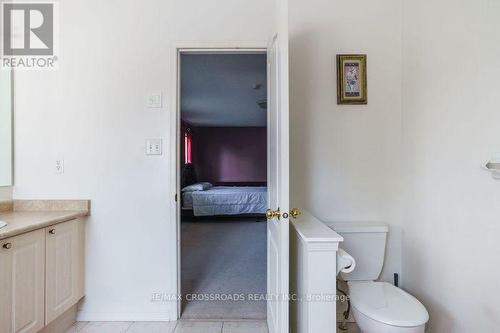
(230, 154)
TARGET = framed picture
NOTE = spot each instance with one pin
(351, 79)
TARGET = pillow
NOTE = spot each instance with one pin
(197, 187)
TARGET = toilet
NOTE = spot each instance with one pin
(378, 307)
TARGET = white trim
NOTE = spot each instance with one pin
(234, 46)
(174, 143)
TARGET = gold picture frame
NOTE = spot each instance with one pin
(352, 86)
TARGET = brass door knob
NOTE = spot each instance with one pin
(7, 246)
(52, 231)
(295, 212)
(271, 214)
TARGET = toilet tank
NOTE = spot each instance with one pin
(366, 243)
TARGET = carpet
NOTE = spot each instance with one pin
(223, 262)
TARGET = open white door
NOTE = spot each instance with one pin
(278, 198)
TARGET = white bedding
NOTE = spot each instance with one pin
(227, 200)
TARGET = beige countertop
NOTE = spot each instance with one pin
(28, 215)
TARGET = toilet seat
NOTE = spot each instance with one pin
(387, 304)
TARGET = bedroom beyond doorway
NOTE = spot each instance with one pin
(223, 174)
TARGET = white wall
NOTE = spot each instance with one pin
(91, 113)
(5, 193)
(345, 159)
(451, 125)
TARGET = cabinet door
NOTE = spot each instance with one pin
(22, 275)
(63, 268)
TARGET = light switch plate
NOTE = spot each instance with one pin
(154, 146)
(154, 101)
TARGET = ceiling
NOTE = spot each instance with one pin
(219, 90)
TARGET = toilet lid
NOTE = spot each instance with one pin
(385, 303)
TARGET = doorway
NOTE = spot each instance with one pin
(223, 184)
(277, 170)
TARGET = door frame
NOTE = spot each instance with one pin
(179, 48)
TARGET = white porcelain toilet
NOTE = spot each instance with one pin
(378, 307)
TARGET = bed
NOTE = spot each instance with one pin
(226, 200)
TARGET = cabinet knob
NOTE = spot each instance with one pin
(7, 246)
(52, 231)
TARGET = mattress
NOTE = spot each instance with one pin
(187, 200)
(227, 200)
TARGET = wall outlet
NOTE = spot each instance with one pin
(154, 101)
(153, 147)
(59, 166)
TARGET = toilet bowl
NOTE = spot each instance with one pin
(378, 307)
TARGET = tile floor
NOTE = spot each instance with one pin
(183, 326)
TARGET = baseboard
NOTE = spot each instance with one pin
(124, 316)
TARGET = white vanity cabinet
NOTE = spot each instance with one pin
(64, 268)
(41, 276)
(22, 283)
